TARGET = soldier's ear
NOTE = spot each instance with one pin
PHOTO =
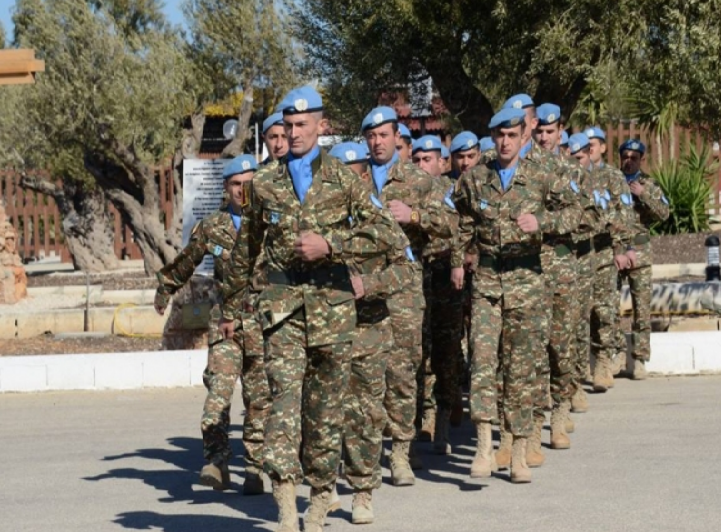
(323, 126)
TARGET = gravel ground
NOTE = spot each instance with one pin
(49, 345)
(680, 249)
(122, 280)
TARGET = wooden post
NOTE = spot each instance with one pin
(19, 66)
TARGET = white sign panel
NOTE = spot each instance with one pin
(202, 196)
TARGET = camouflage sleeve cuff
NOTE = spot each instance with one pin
(335, 245)
(545, 222)
(162, 298)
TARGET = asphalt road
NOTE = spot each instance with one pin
(647, 456)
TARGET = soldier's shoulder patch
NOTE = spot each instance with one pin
(447, 199)
(483, 204)
(626, 199)
(217, 250)
(409, 254)
(575, 187)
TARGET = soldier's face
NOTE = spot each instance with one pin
(531, 123)
(631, 162)
(508, 143)
(382, 142)
(403, 147)
(237, 190)
(598, 148)
(276, 142)
(583, 157)
(429, 161)
(303, 131)
(548, 137)
(465, 160)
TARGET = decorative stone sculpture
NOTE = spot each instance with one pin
(13, 279)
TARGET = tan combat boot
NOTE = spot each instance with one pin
(362, 507)
(559, 437)
(428, 426)
(401, 472)
(315, 516)
(216, 476)
(253, 483)
(520, 473)
(619, 364)
(534, 450)
(503, 454)
(639, 369)
(484, 462)
(579, 401)
(284, 495)
(602, 378)
(441, 438)
(413, 458)
(570, 425)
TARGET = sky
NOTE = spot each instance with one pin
(172, 11)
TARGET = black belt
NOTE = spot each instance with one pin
(601, 243)
(640, 240)
(327, 276)
(508, 264)
(583, 248)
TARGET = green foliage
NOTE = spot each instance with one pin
(2, 36)
(688, 184)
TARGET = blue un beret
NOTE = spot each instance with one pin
(276, 119)
(428, 143)
(577, 142)
(564, 138)
(404, 131)
(486, 144)
(465, 140)
(633, 145)
(240, 165)
(519, 101)
(350, 152)
(548, 113)
(595, 133)
(507, 117)
(445, 153)
(301, 100)
(378, 117)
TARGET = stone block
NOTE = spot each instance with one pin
(74, 372)
(34, 323)
(119, 371)
(166, 369)
(20, 377)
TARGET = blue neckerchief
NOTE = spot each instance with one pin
(235, 217)
(601, 164)
(380, 172)
(590, 167)
(301, 172)
(557, 150)
(506, 175)
(525, 149)
(630, 178)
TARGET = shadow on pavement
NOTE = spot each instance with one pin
(185, 523)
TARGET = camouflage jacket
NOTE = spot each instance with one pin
(337, 206)
(615, 230)
(651, 206)
(214, 235)
(437, 245)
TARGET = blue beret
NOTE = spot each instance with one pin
(486, 144)
(240, 165)
(445, 153)
(276, 119)
(577, 142)
(301, 100)
(404, 131)
(548, 113)
(507, 117)
(428, 143)
(519, 101)
(465, 140)
(633, 145)
(595, 133)
(378, 117)
(564, 138)
(350, 152)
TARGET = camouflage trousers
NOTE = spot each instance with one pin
(365, 416)
(605, 307)
(584, 294)
(308, 386)
(508, 335)
(426, 379)
(640, 284)
(406, 314)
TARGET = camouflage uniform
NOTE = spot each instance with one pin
(215, 235)
(650, 207)
(306, 310)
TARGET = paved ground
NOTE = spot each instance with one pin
(646, 457)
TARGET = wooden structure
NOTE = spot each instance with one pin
(19, 66)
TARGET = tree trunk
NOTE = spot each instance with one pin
(86, 224)
(237, 145)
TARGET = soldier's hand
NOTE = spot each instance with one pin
(161, 302)
(458, 276)
(528, 223)
(621, 262)
(636, 188)
(311, 246)
(400, 211)
(470, 261)
(632, 258)
(358, 289)
(226, 328)
(160, 310)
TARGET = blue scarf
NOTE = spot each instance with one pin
(506, 175)
(380, 172)
(301, 171)
(525, 149)
(235, 217)
(630, 178)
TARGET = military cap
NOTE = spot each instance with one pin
(445, 153)
(404, 131)
(465, 140)
(486, 144)
(378, 117)
(240, 165)
(577, 142)
(632, 145)
(564, 138)
(595, 133)
(519, 101)
(350, 152)
(276, 119)
(548, 113)
(507, 117)
(428, 143)
(301, 100)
